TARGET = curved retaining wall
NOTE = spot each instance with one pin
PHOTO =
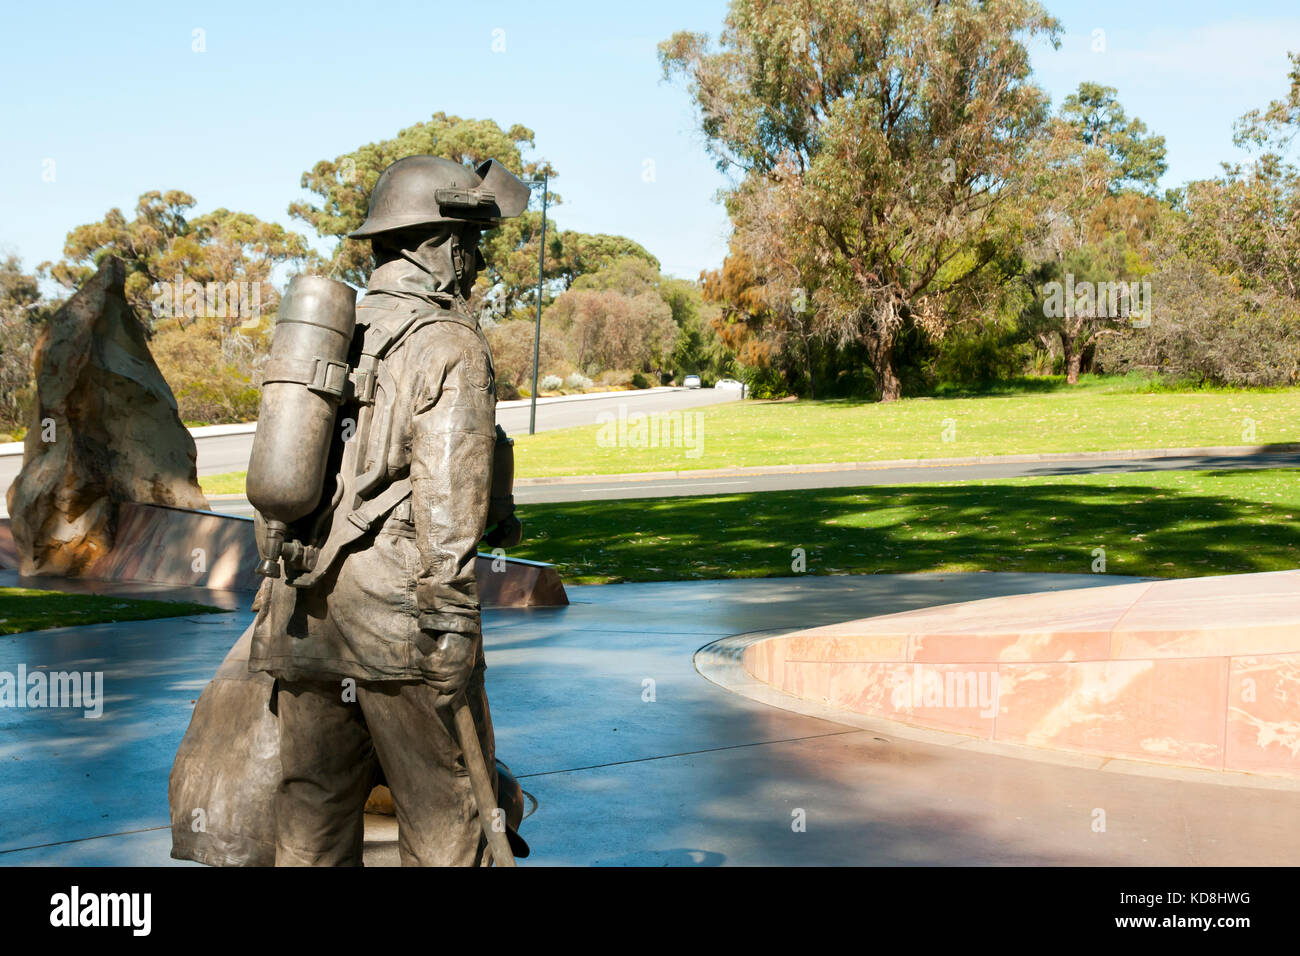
(1201, 672)
(155, 544)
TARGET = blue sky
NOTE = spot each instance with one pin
(116, 97)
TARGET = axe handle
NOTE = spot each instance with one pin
(497, 840)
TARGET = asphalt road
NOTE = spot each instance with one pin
(602, 490)
(219, 454)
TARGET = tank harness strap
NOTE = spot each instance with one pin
(361, 521)
(377, 508)
(323, 376)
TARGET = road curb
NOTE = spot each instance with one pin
(1223, 451)
(589, 396)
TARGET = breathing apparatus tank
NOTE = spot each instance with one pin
(306, 380)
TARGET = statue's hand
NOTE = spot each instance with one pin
(508, 533)
(452, 663)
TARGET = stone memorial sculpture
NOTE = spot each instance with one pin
(104, 430)
(372, 475)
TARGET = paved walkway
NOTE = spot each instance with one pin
(635, 758)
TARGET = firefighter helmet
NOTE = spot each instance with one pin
(424, 190)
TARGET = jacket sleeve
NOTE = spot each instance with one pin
(453, 431)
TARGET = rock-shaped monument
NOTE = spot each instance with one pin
(104, 430)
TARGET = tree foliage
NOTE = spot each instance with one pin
(618, 321)
(1084, 229)
(609, 329)
(1099, 120)
(508, 287)
(904, 208)
(343, 185)
(876, 143)
(202, 286)
(1247, 221)
(163, 242)
(580, 253)
(22, 311)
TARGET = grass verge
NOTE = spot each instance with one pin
(1159, 524)
(27, 609)
(229, 483)
(1106, 414)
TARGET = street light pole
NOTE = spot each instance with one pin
(537, 334)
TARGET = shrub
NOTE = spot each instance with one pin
(614, 378)
(1206, 329)
(577, 381)
(512, 351)
(765, 383)
(608, 329)
(550, 383)
(1040, 362)
(212, 384)
(640, 381)
(224, 396)
(17, 389)
(976, 357)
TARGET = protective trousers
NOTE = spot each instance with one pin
(333, 750)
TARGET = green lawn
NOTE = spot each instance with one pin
(1160, 524)
(25, 609)
(229, 483)
(1097, 415)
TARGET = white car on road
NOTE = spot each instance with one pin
(691, 381)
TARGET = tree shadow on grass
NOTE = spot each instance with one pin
(1029, 385)
(1146, 530)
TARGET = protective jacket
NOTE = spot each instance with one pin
(378, 609)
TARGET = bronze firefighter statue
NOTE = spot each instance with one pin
(372, 477)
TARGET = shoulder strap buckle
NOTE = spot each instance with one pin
(362, 381)
(330, 379)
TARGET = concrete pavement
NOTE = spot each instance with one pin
(634, 758)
